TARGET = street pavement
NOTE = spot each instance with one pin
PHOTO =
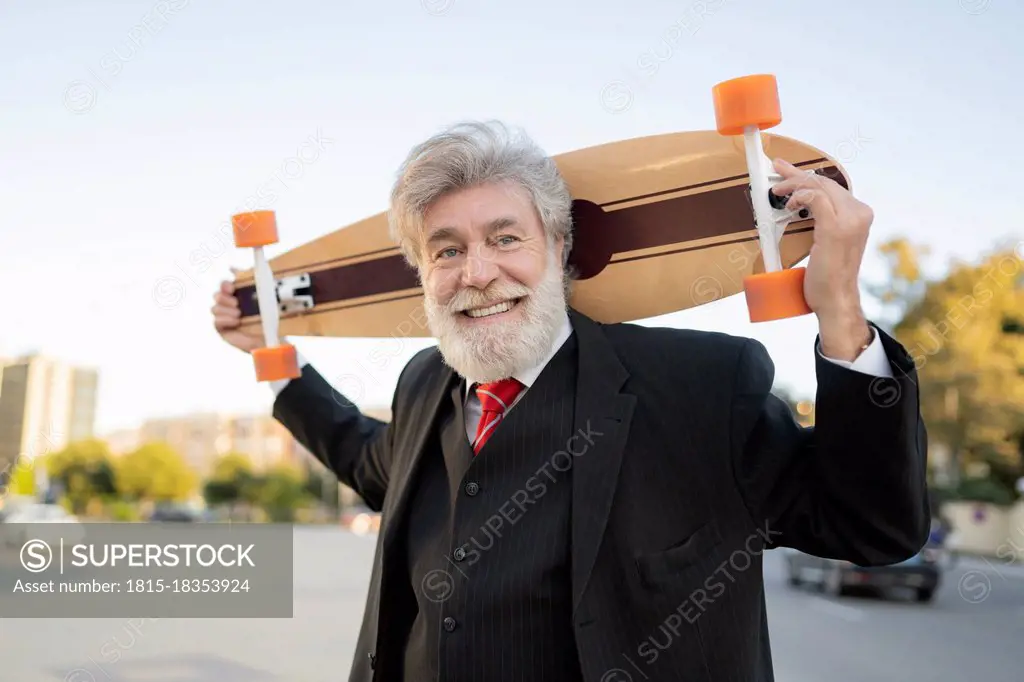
(974, 630)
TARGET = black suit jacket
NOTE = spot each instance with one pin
(685, 468)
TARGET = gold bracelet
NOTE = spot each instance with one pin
(870, 341)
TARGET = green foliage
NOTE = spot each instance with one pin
(155, 472)
(230, 481)
(321, 484)
(123, 511)
(279, 492)
(84, 470)
(962, 334)
(984, 489)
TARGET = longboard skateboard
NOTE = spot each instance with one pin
(661, 224)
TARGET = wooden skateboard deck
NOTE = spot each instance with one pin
(661, 224)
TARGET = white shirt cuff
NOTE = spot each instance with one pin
(872, 361)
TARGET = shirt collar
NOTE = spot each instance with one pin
(528, 376)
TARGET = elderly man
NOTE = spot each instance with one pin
(567, 500)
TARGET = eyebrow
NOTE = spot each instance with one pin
(444, 233)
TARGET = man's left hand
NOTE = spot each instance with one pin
(841, 225)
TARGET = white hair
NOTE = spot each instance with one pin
(470, 154)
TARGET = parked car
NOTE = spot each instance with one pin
(178, 513)
(921, 573)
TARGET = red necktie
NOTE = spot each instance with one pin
(495, 399)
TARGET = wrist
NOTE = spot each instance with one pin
(845, 334)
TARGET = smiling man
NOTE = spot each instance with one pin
(567, 500)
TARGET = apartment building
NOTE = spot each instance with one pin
(44, 404)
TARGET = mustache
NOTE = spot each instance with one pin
(475, 298)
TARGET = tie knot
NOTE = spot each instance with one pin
(496, 396)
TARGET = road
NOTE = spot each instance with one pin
(973, 631)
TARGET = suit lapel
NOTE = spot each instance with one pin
(601, 423)
(409, 450)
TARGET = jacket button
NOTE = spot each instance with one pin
(449, 624)
(472, 488)
(460, 554)
(373, 660)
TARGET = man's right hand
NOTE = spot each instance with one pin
(227, 317)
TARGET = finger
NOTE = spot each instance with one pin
(226, 322)
(227, 287)
(225, 300)
(226, 312)
(816, 200)
(795, 178)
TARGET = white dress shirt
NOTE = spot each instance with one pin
(873, 361)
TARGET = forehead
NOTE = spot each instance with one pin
(479, 210)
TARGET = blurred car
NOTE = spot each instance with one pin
(177, 513)
(920, 573)
(37, 518)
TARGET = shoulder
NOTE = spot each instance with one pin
(715, 351)
(711, 362)
(422, 370)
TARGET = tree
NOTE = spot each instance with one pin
(83, 470)
(963, 333)
(232, 474)
(280, 491)
(906, 283)
(155, 472)
(322, 484)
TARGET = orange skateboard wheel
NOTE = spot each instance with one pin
(258, 228)
(275, 363)
(776, 295)
(747, 101)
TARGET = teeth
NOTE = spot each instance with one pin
(493, 310)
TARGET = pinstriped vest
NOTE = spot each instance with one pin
(487, 543)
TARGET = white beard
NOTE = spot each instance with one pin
(497, 351)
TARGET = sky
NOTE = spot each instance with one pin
(131, 131)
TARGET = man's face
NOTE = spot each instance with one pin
(492, 281)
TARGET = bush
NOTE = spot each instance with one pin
(985, 489)
(123, 511)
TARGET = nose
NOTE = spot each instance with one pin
(480, 268)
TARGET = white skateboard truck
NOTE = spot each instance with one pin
(276, 361)
(746, 106)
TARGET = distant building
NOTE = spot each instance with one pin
(202, 438)
(44, 404)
